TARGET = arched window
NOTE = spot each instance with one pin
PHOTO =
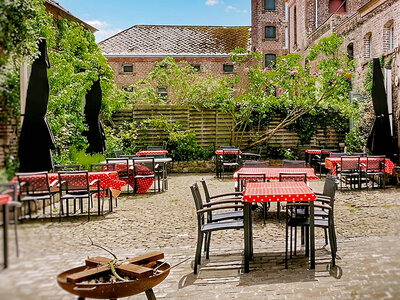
(337, 6)
(368, 45)
(388, 36)
(350, 51)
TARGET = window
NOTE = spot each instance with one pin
(286, 12)
(270, 60)
(269, 4)
(162, 92)
(127, 68)
(368, 45)
(196, 67)
(270, 32)
(350, 51)
(228, 68)
(391, 37)
(286, 37)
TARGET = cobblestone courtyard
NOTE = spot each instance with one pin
(368, 264)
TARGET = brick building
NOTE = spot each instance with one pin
(133, 53)
(369, 28)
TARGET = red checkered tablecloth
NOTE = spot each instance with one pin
(277, 192)
(143, 184)
(331, 162)
(152, 152)
(109, 179)
(272, 173)
(313, 151)
(4, 199)
(226, 151)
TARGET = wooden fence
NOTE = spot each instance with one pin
(214, 128)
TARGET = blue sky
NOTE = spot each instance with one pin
(112, 16)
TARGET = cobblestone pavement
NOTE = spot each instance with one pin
(368, 264)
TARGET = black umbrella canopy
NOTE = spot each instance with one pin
(95, 134)
(36, 139)
(380, 141)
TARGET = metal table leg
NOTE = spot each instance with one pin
(5, 234)
(312, 236)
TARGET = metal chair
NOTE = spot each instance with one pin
(375, 166)
(36, 187)
(75, 185)
(361, 154)
(143, 168)
(118, 153)
(337, 154)
(66, 168)
(293, 163)
(230, 159)
(11, 189)
(122, 167)
(155, 148)
(104, 167)
(319, 161)
(249, 156)
(349, 171)
(256, 164)
(206, 228)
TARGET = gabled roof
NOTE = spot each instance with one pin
(163, 40)
(60, 12)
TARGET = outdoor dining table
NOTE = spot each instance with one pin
(4, 199)
(275, 192)
(332, 162)
(272, 173)
(144, 184)
(152, 153)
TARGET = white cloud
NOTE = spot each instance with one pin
(97, 23)
(231, 8)
(212, 2)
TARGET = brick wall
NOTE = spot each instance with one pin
(260, 17)
(142, 66)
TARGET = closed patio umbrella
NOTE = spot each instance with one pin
(36, 139)
(380, 141)
(95, 135)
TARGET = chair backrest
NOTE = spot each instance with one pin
(70, 181)
(142, 165)
(102, 167)
(155, 148)
(228, 147)
(66, 168)
(196, 196)
(259, 150)
(121, 164)
(361, 154)
(292, 176)
(256, 163)
(118, 153)
(244, 178)
(205, 188)
(10, 189)
(293, 163)
(376, 163)
(330, 186)
(349, 163)
(337, 154)
(231, 155)
(34, 182)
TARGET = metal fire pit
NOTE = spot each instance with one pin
(118, 289)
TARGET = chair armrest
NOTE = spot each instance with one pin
(54, 183)
(230, 200)
(210, 209)
(308, 204)
(94, 182)
(14, 204)
(323, 200)
(239, 194)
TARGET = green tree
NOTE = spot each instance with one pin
(296, 88)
